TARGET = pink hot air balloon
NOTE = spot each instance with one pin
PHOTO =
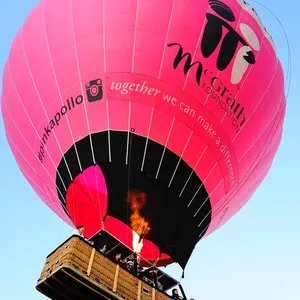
(155, 120)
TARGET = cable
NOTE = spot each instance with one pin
(289, 71)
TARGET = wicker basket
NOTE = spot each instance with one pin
(76, 266)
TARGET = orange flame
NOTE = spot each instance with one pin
(138, 223)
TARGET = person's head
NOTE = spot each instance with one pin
(81, 229)
(175, 292)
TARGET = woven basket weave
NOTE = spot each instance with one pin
(77, 255)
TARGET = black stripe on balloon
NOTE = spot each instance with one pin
(174, 229)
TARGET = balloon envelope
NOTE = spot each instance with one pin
(155, 120)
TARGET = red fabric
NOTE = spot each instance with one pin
(87, 206)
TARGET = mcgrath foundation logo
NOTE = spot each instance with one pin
(94, 93)
(239, 49)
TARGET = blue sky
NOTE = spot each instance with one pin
(255, 256)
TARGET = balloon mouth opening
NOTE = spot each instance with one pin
(139, 206)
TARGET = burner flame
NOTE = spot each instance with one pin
(140, 226)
